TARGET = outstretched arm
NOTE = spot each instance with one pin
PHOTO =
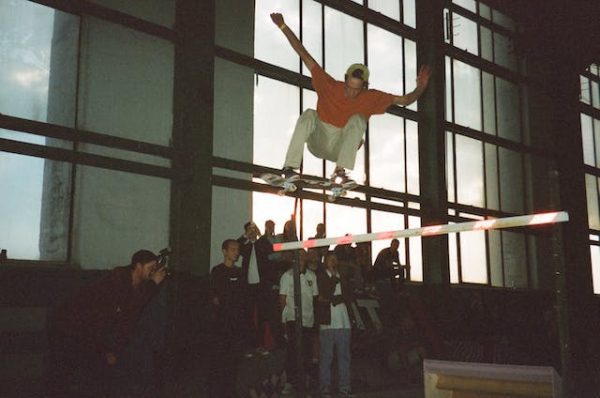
(422, 82)
(308, 60)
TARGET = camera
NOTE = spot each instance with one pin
(163, 257)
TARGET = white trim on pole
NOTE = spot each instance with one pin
(432, 230)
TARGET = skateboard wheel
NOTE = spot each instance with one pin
(291, 188)
(281, 192)
(331, 198)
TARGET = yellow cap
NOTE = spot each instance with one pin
(363, 74)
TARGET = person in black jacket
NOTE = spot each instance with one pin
(251, 273)
(90, 331)
(227, 287)
(270, 269)
(333, 317)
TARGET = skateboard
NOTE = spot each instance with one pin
(334, 190)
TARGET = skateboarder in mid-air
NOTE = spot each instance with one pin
(335, 130)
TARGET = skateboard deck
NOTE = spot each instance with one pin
(291, 185)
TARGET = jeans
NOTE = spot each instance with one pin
(292, 353)
(340, 340)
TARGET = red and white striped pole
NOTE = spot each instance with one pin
(432, 230)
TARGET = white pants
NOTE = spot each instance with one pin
(325, 141)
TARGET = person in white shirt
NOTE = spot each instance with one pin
(308, 293)
(335, 297)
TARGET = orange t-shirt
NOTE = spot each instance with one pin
(334, 108)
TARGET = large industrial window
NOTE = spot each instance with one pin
(389, 158)
(590, 137)
(38, 87)
(84, 135)
(486, 158)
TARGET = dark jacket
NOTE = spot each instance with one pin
(268, 270)
(326, 286)
(228, 285)
(102, 317)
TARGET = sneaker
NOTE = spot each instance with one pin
(290, 174)
(339, 176)
(262, 351)
(288, 389)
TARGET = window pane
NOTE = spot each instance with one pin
(267, 206)
(468, 4)
(491, 177)
(485, 11)
(312, 214)
(504, 52)
(596, 95)
(495, 252)
(276, 107)
(585, 90)
(410, 71)
(511, 181)
(409, 13)
(270, 45)
(412, 158)
(467, 96)
(507, 102)
(414, 249)
(385, 60)
(489, 104)
(38, 53)
(450, 167)
(597, 138)
(503, 20)
(386, 7)
(228, 218)
(127, 83)
(343, 42)
(591, 190)
(386, 136)
(34, 210)
(382, 222)
(587, 138)
(453, 258)
(464, 34)
(515, 260)
(472, 257)
(312, 30)
(448, 84)
(233, 131)
(109, 215)
(595, 254)
(469, 171)
(487, 50)
(342, 220)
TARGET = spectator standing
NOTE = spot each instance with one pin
(251, 273)
(89, 332)
(308, 292)
(227, 292)
(335, 296)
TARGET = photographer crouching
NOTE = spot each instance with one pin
(89, 332)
